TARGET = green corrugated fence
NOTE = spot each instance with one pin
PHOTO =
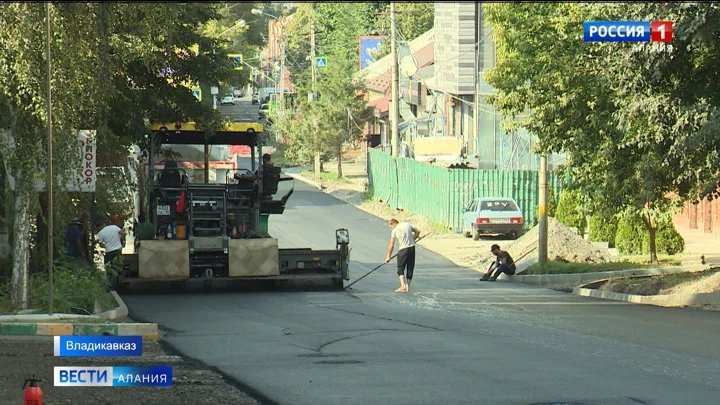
(441, 194)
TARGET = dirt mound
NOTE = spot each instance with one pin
(708, 284)
(564, 244)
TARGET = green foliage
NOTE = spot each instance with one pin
(570, 210)
(631, 135)
(413, 20)
(667, 239)
(115, 66)
(633, 237)
(5, 270)
(603, 229)
(337, 27)
(369, 193)
(629, 236)
(326, 124)
(73, 288)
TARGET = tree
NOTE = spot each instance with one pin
(341, 110)
(114, 66)
(324, 125)
(23, 112)
(570, 210)
(623, 112)
(236, 39)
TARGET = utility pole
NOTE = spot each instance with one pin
(281, 80)
(477, 81)
(314, 97)
(395, 110)
(280, 113)
(542, 211)
(51, 230)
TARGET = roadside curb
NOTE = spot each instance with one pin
(574, 280)
(298, 176)
(120, 312)
(78, 325)
(146, 330)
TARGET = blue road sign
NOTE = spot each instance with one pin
(321, 62)
(237, 60)
(197, 93)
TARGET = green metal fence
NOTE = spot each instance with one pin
(441, 194)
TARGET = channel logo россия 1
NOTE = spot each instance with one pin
(628, 31)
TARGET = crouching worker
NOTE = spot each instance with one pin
(502, 264)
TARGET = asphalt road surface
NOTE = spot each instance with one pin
(243, 110)
(453, 340)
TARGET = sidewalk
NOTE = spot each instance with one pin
(110, 322)
(699, 243)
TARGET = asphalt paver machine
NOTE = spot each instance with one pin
(192, 229)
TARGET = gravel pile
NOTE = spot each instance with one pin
(564, 244)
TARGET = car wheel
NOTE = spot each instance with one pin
(476, 233)
(251, 131)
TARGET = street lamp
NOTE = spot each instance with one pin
(260, 12)
(239, 24)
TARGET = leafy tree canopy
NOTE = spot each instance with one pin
(637, 120)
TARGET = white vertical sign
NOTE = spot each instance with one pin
(84, 175)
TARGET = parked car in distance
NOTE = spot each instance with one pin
(255, 98)
(492, 215)
(263, 111)
(228, 100)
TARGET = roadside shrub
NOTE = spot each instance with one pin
(73, 289)
(629, 235)
(603, 229)
(6, 269)
(569, 210)
(667, 239)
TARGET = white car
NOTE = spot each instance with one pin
(228, 100)
(493, 215)
(263, 111)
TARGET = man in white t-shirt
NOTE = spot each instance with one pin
(405, 234)
(111, 238)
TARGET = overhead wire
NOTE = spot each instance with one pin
(474, 48)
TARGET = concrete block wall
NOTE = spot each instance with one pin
(455, 47)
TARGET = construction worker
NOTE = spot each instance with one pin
(406, 235)
(502, 264)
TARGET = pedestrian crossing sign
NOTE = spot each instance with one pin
(237, 60)
(321, 62)
(197, 92)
